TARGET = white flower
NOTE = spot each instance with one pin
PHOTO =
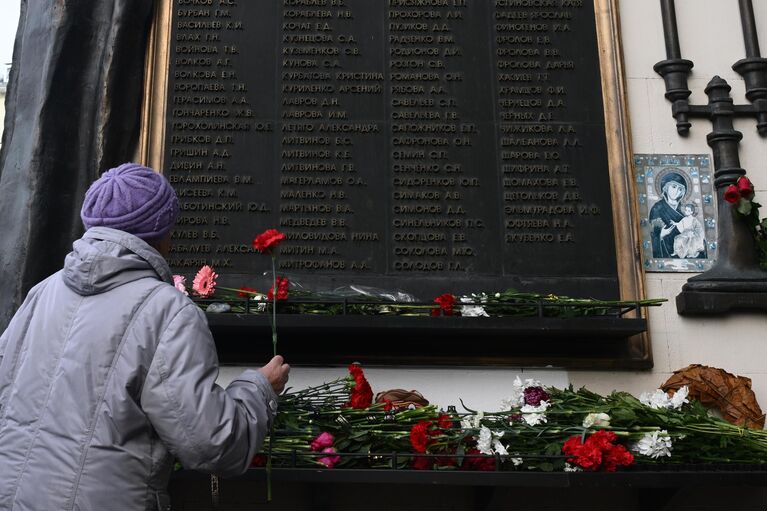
(660, 399)
(498, 447)
(485, 441)
(517, 461)
(497, 295)
(472, 421)
(654, 445)
(572, 468)
(533, 415)
(473, 311)
(517, 396)
(488, 442)
(596, 420)
(533, 419)
(657, 399)
(679, 398)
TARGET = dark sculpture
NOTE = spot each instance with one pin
(72, 110)
(735, 282)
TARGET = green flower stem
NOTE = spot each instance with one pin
(274, 305)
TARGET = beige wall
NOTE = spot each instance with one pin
(737, 343)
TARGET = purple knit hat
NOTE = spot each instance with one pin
(133, 199)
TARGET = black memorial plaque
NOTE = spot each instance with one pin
(426, 145)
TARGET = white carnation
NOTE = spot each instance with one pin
(655, 444)
(534, 415)
(572, 468)
(485, 441)
(488, 442)
(679, 398)
(596, 420)
(661, 400)
(657, 399)
(472, 421)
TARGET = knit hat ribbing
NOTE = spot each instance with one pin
(133, 199)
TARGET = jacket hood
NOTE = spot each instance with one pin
(105, 258)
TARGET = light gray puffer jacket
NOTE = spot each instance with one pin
(106, 373)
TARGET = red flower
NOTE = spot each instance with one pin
(617, 455)
(420, 436)
(599, 451)
(259, 460)
(244, 292)
(362, 394)
(282, 289)
(731, 194)
(444, 421)
(356, 371)
(388, 405)
(422, 463)
(602, 439)
(481, 462)
(268, 240)
(446, 302)
(746, 188)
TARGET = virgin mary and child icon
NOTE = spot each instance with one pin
(676, 232)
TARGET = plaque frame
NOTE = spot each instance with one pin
(636, 350)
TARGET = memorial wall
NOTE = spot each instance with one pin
(426, 145)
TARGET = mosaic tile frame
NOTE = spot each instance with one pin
(696, 171)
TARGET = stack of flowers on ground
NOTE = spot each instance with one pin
(337, 425)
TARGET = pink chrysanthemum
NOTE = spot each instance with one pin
(180, 283)
(205, 282)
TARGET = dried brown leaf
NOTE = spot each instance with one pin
(716, 388)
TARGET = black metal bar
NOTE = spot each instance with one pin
(750, 37)
(670, 31)
(675, 69)
(753, 68)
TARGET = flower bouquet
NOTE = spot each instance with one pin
(337, 425)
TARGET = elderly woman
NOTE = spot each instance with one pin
(108, 372)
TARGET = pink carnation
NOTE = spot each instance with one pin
(330, 461)
(205, 282)
(180, 283)
(322, 441)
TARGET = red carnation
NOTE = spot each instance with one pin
(268, 240)
(282, 289)
(444, 421)
(422, 463)
(746, 188)
(420, 436)
(478, 461)
(446, 302)
(617, 455)
(731, 194)
(598, 451)
(362, 394)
